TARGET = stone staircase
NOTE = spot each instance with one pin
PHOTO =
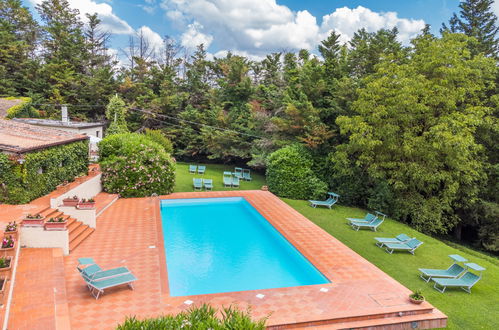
(77, 231)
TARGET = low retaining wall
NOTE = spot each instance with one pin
(88, 189)
(37, 237)
(88, 217)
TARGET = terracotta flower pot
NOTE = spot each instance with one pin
(26, 222)
(11, 233)
(86, 205)
(5, 252)
(415, 301)
(55, 225)
(4, 270)
(70, 202)
(3, 287)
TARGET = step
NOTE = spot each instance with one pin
(73, 234)
(80, 238)
(70, 221)
(73, 224)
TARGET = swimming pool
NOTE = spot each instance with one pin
(217, 245)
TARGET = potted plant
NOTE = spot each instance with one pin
(5, 264)
(8, 245)
(86, 204)
(33, 220)
(57, 223)
(416, 297)
(71, 201)
(11, 229)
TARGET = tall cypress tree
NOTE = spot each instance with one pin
(477, 20)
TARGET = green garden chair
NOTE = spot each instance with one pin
(201, 169)
(97, 287)
(235, 182)
(400, 238)
(369, 217)
(198, 183)
(453, 271)
(246, 175)
(238, 172)
(465, 281)
(208, 184)
(332, 199)
(227, 179)
(409, 246)
(193, 169)
(373, 225)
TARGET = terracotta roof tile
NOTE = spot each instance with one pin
(19, 137)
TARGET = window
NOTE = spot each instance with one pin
(97, 133)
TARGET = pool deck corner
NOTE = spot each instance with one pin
(129, 233)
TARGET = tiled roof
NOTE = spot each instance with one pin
(7, 104)
(20, 138)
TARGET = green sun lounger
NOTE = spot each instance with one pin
(409, 246)
(201, 169)
(373, 225)
(193, 169)
(246, 175)
(369, 217)
(400, 238)
(235, 182)
(332, 199)
(95, 272)
(208, 184)
(227, 179)
(238, 172)
(453, 271)
(198, 183)
(97, 287)
(465, 281)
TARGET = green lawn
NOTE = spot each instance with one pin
(478, 310)
(215, 172)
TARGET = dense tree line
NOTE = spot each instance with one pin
(409, 130)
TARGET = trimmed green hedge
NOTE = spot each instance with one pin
(21, 183)
(203, 317)
(23, 109)
(289, 174)
(134, 166)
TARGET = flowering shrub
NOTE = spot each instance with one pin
(134, 166)
(12, 226)
(7, 242)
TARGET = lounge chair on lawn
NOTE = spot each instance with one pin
(452, 272)
(373, 225)
(235, 182)
(193, 169)
(246, 175)
(208, 184)
(332, 199)
(410, 246)
(198, 183)
(400, 238)
(465, 282)
(238, 172)
(201, 169)
(97, 287)
(368, 218)
(227, 179)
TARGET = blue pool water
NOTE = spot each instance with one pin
(223, 244)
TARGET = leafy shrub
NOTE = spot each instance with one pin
(116, 113)
(23, 110)
(21, 183)
(158, 137)
(289, 174)
(134, 166)
(203, 317)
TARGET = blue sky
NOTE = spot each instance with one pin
(258, 27)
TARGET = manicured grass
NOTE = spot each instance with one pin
(478, 310)
(215, 172)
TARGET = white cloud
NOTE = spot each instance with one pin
(346, 22)
(154, 39)
(263, 26)
(495, 7)
(148, 9)
(110, 21)
(193, 37)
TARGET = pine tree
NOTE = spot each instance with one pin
(116, 113)
(477, 20)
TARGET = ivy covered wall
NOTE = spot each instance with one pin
(41, 171)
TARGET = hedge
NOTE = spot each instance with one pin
(23, 109)
(289, 174)
(21, 183)
(134, 166)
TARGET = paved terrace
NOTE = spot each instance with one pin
(129, 233)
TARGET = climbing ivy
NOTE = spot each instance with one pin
(41, 171)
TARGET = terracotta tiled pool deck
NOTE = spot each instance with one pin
(129, 233)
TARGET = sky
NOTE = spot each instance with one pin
(255, 28)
